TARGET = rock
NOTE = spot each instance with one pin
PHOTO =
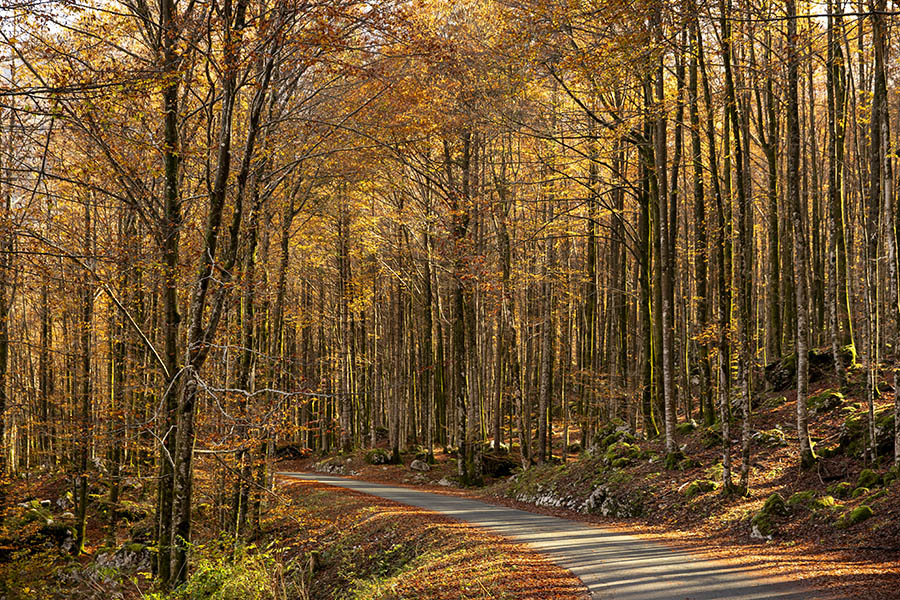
(711, 436)
(868, 479)
(64, 502)
(700, 486)
(853, 437)
(824, 402)
(419, 465)
(130, 558)
(857, 515)
(45, 503)
(443, 481)
(775, 505)
(377, 456)
(781, 374)
(841, 490)
(762, 527)
(801, 498)
(291, 451)
(499, 464)
(774, 402)
(756, 534)
(673, 460)
(772, 438)
(860, 491)
(67, 515)
(686, 428)
(620, 450)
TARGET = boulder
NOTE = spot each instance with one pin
(377, 456)
(857, 515)
(868, 479)
(499, 464)
(419, 465)
(824, 402)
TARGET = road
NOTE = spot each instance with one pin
(613, 565)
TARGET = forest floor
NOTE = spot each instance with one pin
(836, 527)
(315, 545)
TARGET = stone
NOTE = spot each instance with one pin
(775, 505)
(824, 402)
(377, 456)
(860, 491)
(419, 465)
(857, 515)
(868, 479)
(841, 490)
(801, 498)
(700, 486)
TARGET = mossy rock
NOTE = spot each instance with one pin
(700, 486)
(622, 449)
(860, 491)
(853, 437)
(824, 402)
(841, 490)
(801, 498)
(673, 460)
(775, 505)
(857, 515)
(774, 402)
(686, 464)
(686, 428)
(711, 436)
(879, 494)
(823, 503)
(868, 479)
(892, 475)
(772, 438)
(763, 525)
(620, 463)
(377, 456)
(716, 472)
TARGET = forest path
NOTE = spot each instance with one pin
(613, 565)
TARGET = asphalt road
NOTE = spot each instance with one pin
(613, 565)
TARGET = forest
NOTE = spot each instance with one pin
(234, 230)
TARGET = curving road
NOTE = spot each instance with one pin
(613, 565)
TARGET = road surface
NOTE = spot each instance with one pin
(613, 565)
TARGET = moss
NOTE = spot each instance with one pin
(860, 491)
(762, 522)
(774, 402)
(686, 428)
(879, 494)
(622, 449)
(711, 436)
(823, 503)
(716, 472)
(620, 463)
(775, 505)
(868, 479)
(801, 498)
(673, 460)
(772, 438)
(857, 515)
(824, 402)
(700, 486)
(892, 475)
(377, 456)
(841, 490)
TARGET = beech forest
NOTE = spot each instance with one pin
(234, 232)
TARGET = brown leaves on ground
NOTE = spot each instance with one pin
(371, 548)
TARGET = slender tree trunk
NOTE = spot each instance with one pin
(801, 260)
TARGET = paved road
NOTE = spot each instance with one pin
(613, 565)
